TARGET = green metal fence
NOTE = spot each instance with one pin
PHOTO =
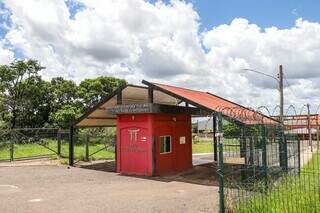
(32, 143)
(269, 169)
(29, 143)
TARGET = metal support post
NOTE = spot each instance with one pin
(283, 151)
(71, 146)
(221, 165)
(215, 147)
(59, 144)
(264, 155)
(87, 141)
(299, 156)
(11, 150)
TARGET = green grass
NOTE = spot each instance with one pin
(33, 150)
(293, 194)
(206, 146)
(26, 150)
(79, 152)
(202, 147)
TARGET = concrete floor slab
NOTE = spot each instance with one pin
(35, 189)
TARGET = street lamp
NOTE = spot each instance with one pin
(279, 79)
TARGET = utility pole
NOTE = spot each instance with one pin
(279, 80)
(281, 93)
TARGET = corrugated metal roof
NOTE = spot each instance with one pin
(216, 104)
(98, 116)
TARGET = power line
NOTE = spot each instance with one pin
(289, 85)
(251, 70)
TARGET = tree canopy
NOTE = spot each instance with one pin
(26, 100)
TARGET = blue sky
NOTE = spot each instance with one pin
(264, 13)
(134, 40)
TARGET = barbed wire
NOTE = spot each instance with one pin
(260, 115)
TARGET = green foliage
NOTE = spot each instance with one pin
(91, 91)
(26, 100)
(231, 130)
(194, 128)
(13, 86)
(65, 115)
(36, 103)
(63, 92)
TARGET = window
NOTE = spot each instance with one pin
(165, 144)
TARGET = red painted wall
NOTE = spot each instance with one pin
(134, 143)
(180, 157)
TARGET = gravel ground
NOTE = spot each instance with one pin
(33, 189)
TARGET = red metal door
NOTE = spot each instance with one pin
(134, 151)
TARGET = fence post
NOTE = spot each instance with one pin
(243, 145)
(299, 156)
(221, 177)
(243, 153)
(264, 155)
(282, 151)
(59, 143)
(214, 129)
(285, 144)
(71, 146)
(318, 129)
(87, 147)
(12, 149)
(220, 165)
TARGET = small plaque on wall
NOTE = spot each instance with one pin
(182, 140)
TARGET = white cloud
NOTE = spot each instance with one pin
(6, 55)
(135, 39)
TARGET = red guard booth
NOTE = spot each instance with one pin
(154, 125)
(152, 143)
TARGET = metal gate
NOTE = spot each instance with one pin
(90, 146)
(31, 143)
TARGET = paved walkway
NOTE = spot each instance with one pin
(202, 158)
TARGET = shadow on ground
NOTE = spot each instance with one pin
(204, 174)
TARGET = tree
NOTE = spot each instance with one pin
(64, 116)
(64, 92)
(3, 109)
(36, 102)
(231, 130)
(26, 100)
(65, 106)
(91, 91)
(11, 78)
